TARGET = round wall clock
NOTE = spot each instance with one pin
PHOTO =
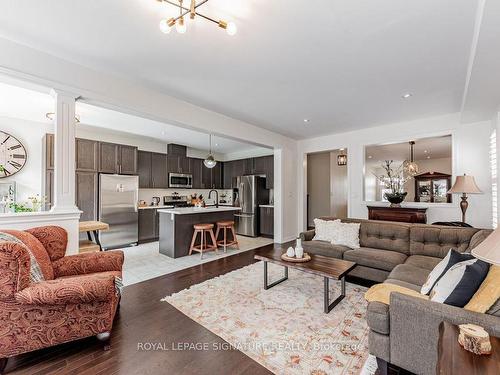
(12, 155)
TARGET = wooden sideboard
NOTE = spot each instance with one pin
(402, 214)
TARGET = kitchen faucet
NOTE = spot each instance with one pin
(216, 197)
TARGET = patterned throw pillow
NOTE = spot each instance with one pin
(324, 230)
(347, 234)
(453, 257)
(36, 274)
(460, 283)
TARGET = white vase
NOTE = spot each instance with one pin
(290, 252)
(299, 252)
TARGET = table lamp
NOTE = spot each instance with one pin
(489, 249)
(464, 185)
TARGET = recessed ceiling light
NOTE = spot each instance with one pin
(428, 157)
(425, 151)
(407, 95)
(369, 156)
(216, 145)
(306, 120)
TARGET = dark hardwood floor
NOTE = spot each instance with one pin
(142, 318)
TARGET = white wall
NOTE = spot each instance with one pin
(470, 155)
(30, 133)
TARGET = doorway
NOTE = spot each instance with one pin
(326, 185)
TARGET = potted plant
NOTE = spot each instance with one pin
(394, 180)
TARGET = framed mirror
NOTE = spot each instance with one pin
(419, 170)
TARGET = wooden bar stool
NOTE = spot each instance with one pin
(225, 226)
(204, 230)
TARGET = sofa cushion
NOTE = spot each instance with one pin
(423, 261)
(410, 274)
(385, 236)
(324, 248)
(436, 241)
(404, 284)
(377, 317)
(376, 258)
(369, 273)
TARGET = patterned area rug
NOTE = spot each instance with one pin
(283, 328)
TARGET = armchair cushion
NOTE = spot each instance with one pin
(54, 239)
(36, 249)
(88, 263)
(75, 290)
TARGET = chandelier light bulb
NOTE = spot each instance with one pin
(164, 27)
(181, 26)
(231, 28)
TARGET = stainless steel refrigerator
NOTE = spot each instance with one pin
(251, 192)
(118, 197)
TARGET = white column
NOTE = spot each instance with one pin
(64, 152)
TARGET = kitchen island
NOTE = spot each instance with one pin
(176, 226)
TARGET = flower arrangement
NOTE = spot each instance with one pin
(37, 202)
(394, 179)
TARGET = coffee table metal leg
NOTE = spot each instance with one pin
(326, 295)
(266, 285)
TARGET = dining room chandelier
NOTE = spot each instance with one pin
(166, 25)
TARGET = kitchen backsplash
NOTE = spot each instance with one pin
(148, 194)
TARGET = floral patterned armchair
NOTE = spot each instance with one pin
(78, 297)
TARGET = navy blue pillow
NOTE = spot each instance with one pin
(468, 285)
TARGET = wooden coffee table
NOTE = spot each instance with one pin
(328, 268)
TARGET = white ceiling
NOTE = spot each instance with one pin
(21, 103)
(343, 64)
(424, 148)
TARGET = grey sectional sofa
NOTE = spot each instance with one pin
(406, 333)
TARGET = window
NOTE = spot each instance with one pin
(494, 182)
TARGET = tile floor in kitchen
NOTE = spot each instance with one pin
(144, 262)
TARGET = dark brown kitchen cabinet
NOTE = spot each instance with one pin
(159, 176)
(266, 221)
(108, 158)
(206, 177)
(178, 164)
(127, 159)
(217, 176)
(49, 188)
(144, 169)
(148, 224)
(114, 158)
(86, 155)
(86, 195)
(196, 171)
(227, 175)
(48, 146)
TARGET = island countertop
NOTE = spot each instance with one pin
(197, 210)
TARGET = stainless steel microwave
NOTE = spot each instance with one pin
(180, 180)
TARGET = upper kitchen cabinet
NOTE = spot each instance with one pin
(178, 164)
(152, 170)
(265, 165)
(114, 158)
(108, 158)
(227, 175)
(86, 155)
(127, 159)
(48, 147)
(144, 169)
(159, 175)
(196, 171)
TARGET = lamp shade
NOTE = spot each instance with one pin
(465, 184)
(489, 249)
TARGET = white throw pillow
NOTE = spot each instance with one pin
(324, 229)
(346, 234)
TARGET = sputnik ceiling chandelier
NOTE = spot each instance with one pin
(180, 24)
